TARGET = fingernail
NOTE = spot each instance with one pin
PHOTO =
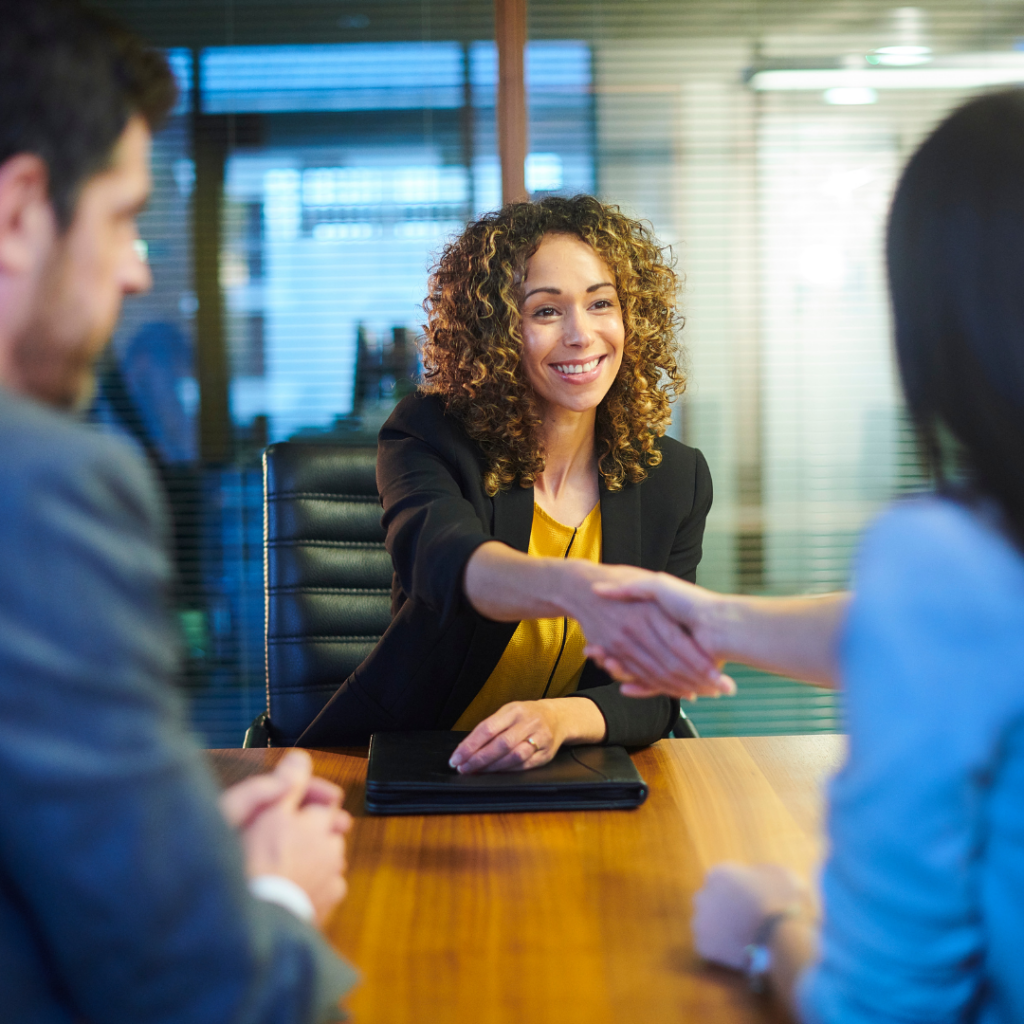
(455, 760)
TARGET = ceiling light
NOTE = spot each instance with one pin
(850, 96)
(960, 71)
(900, 56)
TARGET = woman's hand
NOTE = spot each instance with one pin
(635, 638)
(793, 636)
(692, 608)
(734, 902)
(528, 733)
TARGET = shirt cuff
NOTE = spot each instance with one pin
(285, 893)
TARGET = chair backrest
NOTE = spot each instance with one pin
(327, 576)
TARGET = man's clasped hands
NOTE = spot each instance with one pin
(292, 826)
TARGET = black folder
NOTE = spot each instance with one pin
(409, 774)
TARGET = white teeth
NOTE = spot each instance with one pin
(574, 368)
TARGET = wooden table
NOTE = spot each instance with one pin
(566, 917)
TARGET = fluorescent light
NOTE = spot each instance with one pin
(850, 96)
(964, 71)
(900, 56)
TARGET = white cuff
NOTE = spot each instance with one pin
(285, 893)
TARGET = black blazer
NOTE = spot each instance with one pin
(438, 651)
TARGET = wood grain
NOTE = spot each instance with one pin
(566, 916)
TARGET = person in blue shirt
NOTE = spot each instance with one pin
(923, 890)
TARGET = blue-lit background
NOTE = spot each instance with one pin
(323, 150)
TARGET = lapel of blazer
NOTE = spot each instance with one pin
(620, 526)
(512, 524)
(513, 517)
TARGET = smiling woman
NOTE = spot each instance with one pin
(530, 463)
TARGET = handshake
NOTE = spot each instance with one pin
(652, 632)
(655, 633)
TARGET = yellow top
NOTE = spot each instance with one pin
(535, 660)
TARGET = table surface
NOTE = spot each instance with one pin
(574, 917)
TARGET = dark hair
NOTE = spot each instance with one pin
(70, 79)
(956, 273)
(473, 345)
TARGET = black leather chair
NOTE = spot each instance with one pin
(327, 579)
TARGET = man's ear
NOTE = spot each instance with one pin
(27, 221)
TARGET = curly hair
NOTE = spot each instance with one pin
(472, 351)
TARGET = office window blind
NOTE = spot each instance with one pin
(763, 141)
(323, 151)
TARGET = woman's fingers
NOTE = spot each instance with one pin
(521, 758)
(628, 639)
(612, 666)
(640, 643)
(637, 688)
(687, 652)
(692, 672)
(503, 741)
(510, 750)
(640, 639)
(483, 734)
(500, 750)
(685, 664)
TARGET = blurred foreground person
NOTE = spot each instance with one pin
(123, 893)
(924, 887)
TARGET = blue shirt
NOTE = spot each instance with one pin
(924, 888)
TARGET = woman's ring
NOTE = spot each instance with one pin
(533, 743)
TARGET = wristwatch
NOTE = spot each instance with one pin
(758, 955)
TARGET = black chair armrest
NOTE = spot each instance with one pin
(685, 729)
(258, 733)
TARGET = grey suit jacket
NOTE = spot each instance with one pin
(122, 895)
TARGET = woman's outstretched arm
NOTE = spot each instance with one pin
(507, 585)
(793, 636)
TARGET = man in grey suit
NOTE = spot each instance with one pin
(130, 891)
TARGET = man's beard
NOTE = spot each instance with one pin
(47, 371)
(54, 359)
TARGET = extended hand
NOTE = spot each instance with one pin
(299, 835)
(696, 660)
(636, 640)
